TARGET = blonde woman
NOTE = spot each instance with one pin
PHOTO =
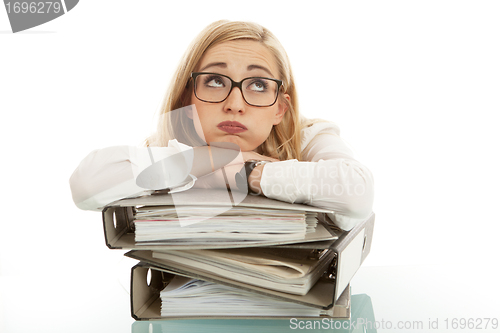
(234, 86)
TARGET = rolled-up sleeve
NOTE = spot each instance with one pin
(329, 178)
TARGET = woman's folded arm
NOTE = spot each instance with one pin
(114, 173)
(331, 179)
(109, 174)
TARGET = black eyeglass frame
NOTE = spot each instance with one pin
(194, 75)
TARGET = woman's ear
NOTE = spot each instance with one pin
(283, 103)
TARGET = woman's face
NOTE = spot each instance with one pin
(233, 120)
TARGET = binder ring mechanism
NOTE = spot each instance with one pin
(331, 269)
(317, 254)
(331, 272)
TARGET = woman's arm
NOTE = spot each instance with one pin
(331, 178)
(106, 175)
(110, 174)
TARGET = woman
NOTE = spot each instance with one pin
(235, 86)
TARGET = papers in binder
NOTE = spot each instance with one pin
(162, 224)
(190, 297)
(292, 271)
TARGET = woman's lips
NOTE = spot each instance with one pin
(232, 127)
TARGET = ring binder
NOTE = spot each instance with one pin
(145, 302)
(341, 269)
(118, 222)
(346, 251)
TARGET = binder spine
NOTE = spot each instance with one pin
(116, 222)
(144, 294)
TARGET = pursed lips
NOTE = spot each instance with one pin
(232, 127)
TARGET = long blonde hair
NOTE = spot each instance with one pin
(282, 143)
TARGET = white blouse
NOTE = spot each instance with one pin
(331, 178)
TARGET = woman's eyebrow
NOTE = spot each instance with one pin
(251, 67)
(224, 65)
(214, 64)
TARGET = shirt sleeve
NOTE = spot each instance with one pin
(329, 177)
(110, 174)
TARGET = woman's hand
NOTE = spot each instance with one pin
(221, 178)
(225, 177)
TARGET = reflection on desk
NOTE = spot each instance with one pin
(362, 316)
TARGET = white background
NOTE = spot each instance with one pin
(413, 85)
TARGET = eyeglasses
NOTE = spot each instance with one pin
(216, 88)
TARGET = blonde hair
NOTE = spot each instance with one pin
(282, 143)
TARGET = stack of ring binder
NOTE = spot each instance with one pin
(306, 277)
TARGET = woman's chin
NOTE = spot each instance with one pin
(234, 139)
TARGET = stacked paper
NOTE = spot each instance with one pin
(292, 271)
(195, 224)
(190, 297)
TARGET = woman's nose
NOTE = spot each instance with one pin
(235, 101)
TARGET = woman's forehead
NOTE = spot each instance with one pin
(239, 57)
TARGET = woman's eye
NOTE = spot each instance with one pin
(215, 82)
(257, 86)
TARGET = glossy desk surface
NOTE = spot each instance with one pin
(386, 299)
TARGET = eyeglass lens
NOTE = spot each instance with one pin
(216, 88)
